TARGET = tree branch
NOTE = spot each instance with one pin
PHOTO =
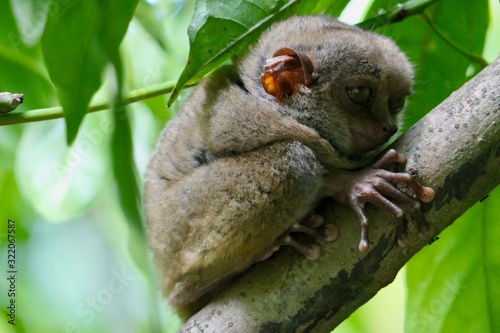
(456, 151)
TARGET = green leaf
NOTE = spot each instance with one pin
(146, 15)
(124, 170)
(453, 283)
(76, 42)
(462, 23)
(332, 8)
(220, 30)
(115, 18)
(74, 59)
(123, 154)
(440, 66)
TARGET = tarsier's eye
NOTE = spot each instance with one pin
(360, 95)
(396, 104)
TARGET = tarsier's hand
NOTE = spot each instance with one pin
(377, 185)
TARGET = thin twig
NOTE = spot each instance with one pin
(400, 12)
(57, 112)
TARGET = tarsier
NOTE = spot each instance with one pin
(258, 145)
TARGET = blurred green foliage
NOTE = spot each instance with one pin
(82, 261)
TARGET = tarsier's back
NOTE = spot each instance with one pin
(258, 145)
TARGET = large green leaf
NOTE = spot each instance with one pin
(462, 23)
(220, 30)
(454, 284)
(440, 60)
(76, 42)
(125, 171)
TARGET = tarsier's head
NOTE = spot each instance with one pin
(346, 83)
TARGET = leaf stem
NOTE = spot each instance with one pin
(398, 13)
(57, 112)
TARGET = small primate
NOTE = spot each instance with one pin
(259, 144)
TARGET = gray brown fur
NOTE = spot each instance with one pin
(235, 169)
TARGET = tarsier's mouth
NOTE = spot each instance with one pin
(363, 142)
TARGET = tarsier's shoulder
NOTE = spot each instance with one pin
(182, 147)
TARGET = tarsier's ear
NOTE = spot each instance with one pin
(284, 71)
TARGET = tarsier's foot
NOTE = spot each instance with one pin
(377, 185)
(310, 227)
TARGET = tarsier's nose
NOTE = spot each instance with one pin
(389, 129)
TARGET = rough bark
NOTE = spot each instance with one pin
(456, 151)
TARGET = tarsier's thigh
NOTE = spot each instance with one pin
(232, 209)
